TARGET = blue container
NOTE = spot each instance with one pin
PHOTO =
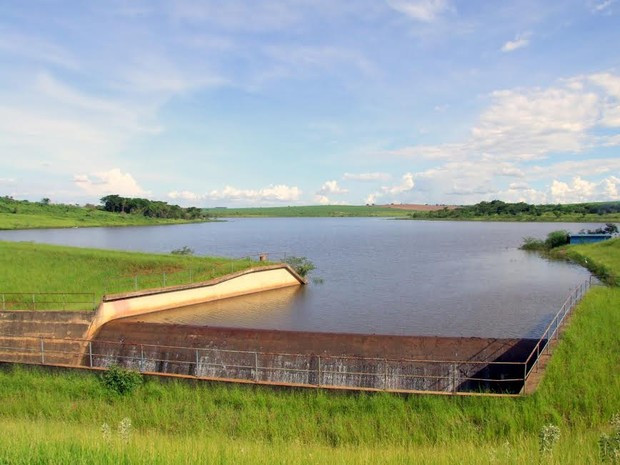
(588, 238)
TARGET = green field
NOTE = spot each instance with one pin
(57, 417)
(29, 267)
(319, 211)
(602, 212)
(16, 214)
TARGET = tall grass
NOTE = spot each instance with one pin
(29, 442)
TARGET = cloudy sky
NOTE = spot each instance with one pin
(241, 103)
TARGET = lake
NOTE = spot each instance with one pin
(379, 275)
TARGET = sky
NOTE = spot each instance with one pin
(301, 102)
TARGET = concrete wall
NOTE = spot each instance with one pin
(244, 282)
(42, 336)
(304, 358)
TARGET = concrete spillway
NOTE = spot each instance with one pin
(408, 363)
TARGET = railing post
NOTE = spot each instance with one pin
(141, 357)
(34, 304)
(318, 375)
(537, 355)
(164, 278)
(385, 370)
(135, 282)
(255, 366)
(197, 362)
(90, 353)
(42, 351)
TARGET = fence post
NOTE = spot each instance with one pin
(164, 278)
(255, 366)
(3, 303)
(135, 282)
(42, 351)
(141, 357)
(318, 376)
(197, 362)
(34, 304)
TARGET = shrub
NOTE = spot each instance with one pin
(185, 250)
(557, 239)
(531, 243)
(120, 380)
(301, 265)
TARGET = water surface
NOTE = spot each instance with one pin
(379, 276)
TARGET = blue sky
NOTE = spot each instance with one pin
(247, 103)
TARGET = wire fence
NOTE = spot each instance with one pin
(297, 369)
(48, 301)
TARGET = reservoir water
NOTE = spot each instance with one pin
(379, 276)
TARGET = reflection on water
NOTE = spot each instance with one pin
(251, 311)
(380, 276)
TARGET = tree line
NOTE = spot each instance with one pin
(498, 208)
(151, 208)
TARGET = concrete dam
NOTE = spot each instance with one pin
(120, 333)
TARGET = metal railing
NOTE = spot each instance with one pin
(287, 369)
(296, 369)
(551, 332)
(48, 301)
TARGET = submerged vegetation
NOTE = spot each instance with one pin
(58, 417)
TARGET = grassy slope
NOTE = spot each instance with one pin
(307, 211)
(176, 422)
(379, 211)
(28, 267)
(33, 215)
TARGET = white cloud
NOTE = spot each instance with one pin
(532, 123)
(611, 105)
(113, 181)
(601, 6)
(376, 176)
(331, 188)
(520, 41)
(37, 49)
(183, 195)
(7, 181)
(280, 193)
(420, 10)
(406, 185)
(581, 190)
(321, 199)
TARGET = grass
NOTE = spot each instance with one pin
(383, 211)
(307, 211)
(55, 417)
(29, 215)
(29, 267)
(602, 258)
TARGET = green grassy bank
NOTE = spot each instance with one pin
(57, 417)
(29, 267)
(21, 214)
